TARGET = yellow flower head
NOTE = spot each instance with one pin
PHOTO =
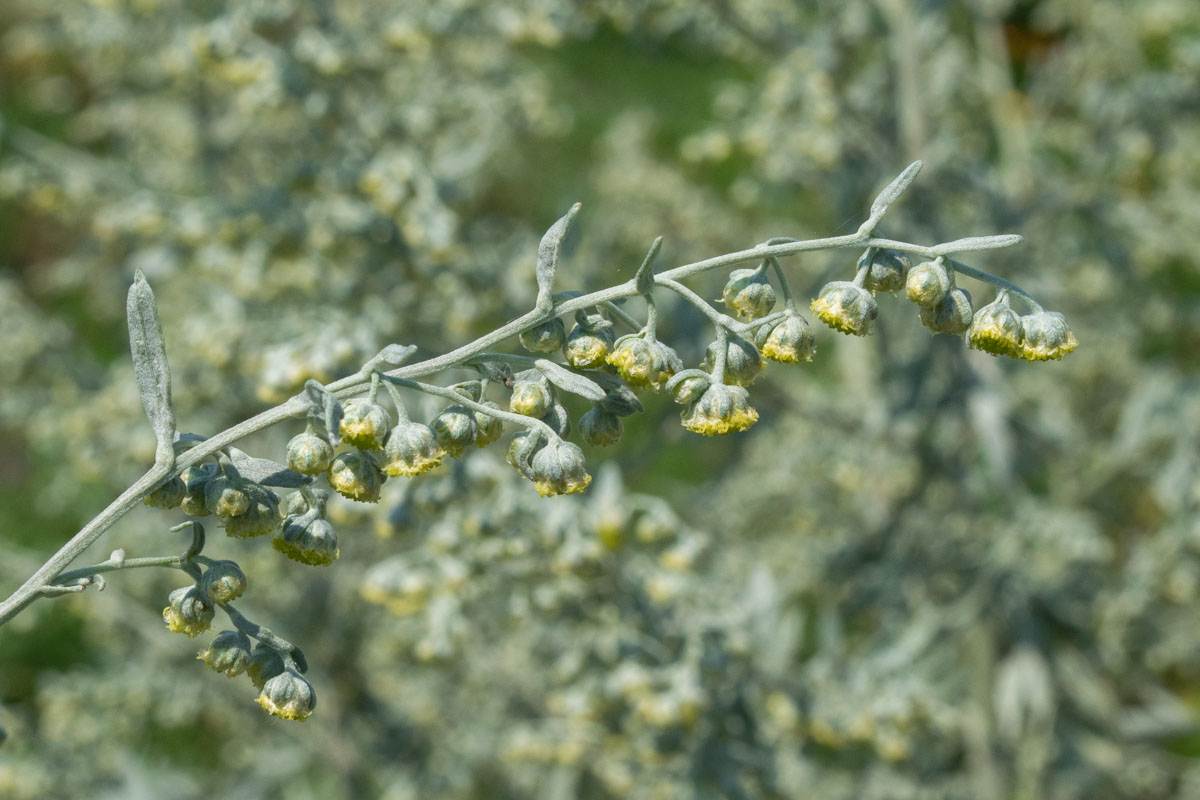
(846, 307)
(721, 409)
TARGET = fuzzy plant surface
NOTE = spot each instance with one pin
(919, 572)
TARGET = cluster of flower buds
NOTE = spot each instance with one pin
(642, 361)
(307, 536)
(247, 508)
(712, 408)
(1036, 336)
(555, 466)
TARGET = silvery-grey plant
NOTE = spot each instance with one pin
(209, 476)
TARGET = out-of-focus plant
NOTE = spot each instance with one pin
(208, 476)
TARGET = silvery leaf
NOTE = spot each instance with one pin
(978, 243)
(547, 258)
(569, 381)
(265, 471)
(150, 364)
(893, 190)
(393, 355)
(645, 274)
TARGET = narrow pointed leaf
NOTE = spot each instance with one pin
(393, 355)
(265, 471)
(547, 258)
(645, 273)
(893, 190)
(569, 381)
(978, 243)
(150, 364)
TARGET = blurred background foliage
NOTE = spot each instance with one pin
(925, 573)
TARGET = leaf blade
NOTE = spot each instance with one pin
(150, 366)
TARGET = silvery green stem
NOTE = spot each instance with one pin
(300, 405)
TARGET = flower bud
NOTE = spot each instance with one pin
(411, 449)
(308, 539)
(846, 307)
(952, 315)
(167, 496)
(264, 664)
(997, 329)
(1047, 336)
(288, 695)
(721, 409)
(365, 424)
(742, 362)
(488, 429)
(927, 283)
(195, 481)
(558, 468)
(587, 347)
(887, 270)
(224, 582)
(259, 519)
(229, 653)
(749, 293)
(547, 337)
(531, 398)
(356, 475)
(690, 389)
(226, 497)
(643, 362)
(189, 612)
(600, 428)
(522, 449)
(789, 341)
(455, 429)
(309, 454)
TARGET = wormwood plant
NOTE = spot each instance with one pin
(356, 444)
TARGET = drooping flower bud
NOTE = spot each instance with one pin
(689, 389)
(749, 293)
(531, 398)
(721, 409)
(997, 329)
(887, 270)
(927, 283)
(588, 346)
(167, 496)
(356, 475)
(365, 424)
(188, 612)
(789, 341)
(288, 695)
(522, 449)
(411, 449)
(558, 468)
(546, 337)
(195, 480)
(455, 429)
(260, 517)
(952, 315)
(846, 307)
(1047, 336)
(643, 362)
(229, 653)
(264, 664)
(309, 454)
(742, 362)
(225, 496)
(488, 429)
(224, 582)
(600, 428)
(309, 539)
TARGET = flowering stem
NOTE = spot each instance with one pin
(450, 394)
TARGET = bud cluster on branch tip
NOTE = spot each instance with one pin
(846, 307)
(589, 343)
(229, 652)
(547, 337)
(364, 424)
(455, 429)
(188, 611)
(720, 409)
(223, 582)
(355, 475)
(742, 362)
(411, 449)
(309, 454)
(886, 270)
(789, 341)
(643, 362)
(288, 695)
(749, 293)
